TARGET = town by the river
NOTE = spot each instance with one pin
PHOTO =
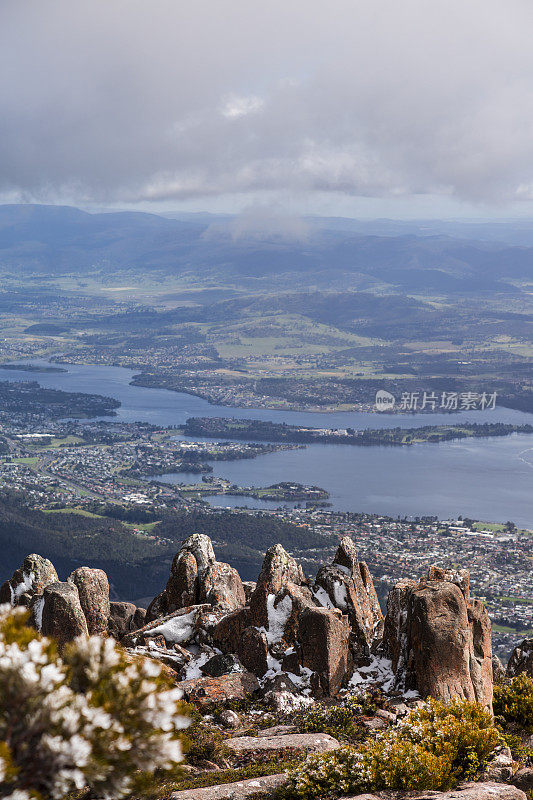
(489, 478)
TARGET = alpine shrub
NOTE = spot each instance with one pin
(434, 747)
(341, 721)
(90, 717)
(513, 700)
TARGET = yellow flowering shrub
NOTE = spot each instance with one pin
(513, 700)
(434, 747)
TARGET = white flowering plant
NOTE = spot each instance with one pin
(91, 716)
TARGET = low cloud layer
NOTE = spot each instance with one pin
(128, 101)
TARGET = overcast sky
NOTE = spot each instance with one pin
(364, 107)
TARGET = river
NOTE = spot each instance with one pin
(487, 479)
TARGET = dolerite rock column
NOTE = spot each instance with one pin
(324, 637)
(438, 638)
(347, 585)
(58, 613)
(93, 591)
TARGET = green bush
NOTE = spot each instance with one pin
(513, 700)
(89, 718)
(434, 747)
(521, 752)
(341, 721)
(202, 742)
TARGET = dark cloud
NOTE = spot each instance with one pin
(135, 101)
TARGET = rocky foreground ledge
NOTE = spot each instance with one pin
(284, 635)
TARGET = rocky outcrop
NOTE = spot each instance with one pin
(93, 591)
(58, 612)
(521, 660)
(289, 638)
(438, 639)
(347, 585)
(221, 587)
(28, 581)
(196, 577)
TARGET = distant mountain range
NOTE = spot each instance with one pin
(406, 256)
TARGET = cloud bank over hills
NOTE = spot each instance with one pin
(115, 101)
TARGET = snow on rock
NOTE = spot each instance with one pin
(379, 670)
(278, 614)
(176, 630)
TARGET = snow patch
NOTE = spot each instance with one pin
(322, 597)
(24, 586)
(277, 617)
(38, 613)
(378, 671)
(343, 569)
(176, 630)
(287, 701)
(193, 671)
(339, 595)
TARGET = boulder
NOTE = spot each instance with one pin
(227, 633)
(222, 665)
(480, 651)
(121, 618)
(264, 786)
(465, 791)
(347, 585)
(498, 670)
(139, 618)
(521, 660)
(501, 767)
(204, 691)
(249, 588)
(309, 742)
(124, 618)
(93, 591)
(523, 779)
(438, 639)
(58, 612)
(324, 641)
(461, 578)
(252, 650)
(229, 718)
(395, 627)
(29, 580)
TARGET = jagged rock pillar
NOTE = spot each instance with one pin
(438, 639)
